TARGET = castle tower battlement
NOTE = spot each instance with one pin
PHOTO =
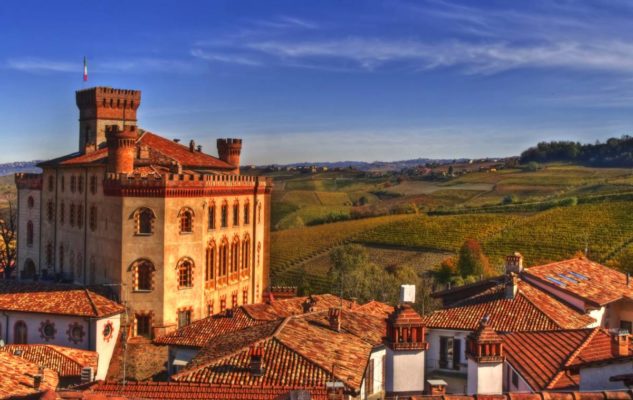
(100, 107)
(229, 150)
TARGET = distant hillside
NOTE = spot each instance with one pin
(19, 166)
(615, 152)
(375, 165)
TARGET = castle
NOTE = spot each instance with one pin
(177, 233)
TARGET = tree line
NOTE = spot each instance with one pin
(614, 152)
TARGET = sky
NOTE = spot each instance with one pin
(323, 80)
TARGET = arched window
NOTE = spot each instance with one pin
(61, 258)
(49, 255)
(185, 273)
(71, 216)
(223, 258)
(20, 333)
(80, 184)
(143, 271)
(80, 216)
(186, 220)
(259, 213)
(246, 252)
(50, 211)
(209, 272)
(235, 254)
(63, 183)
(211, 216)
(93, 218)
(93, 184)
(29, 233)
(30, 202)
(236, 213)
(61, 213)
(73, 184)
(28, 271)
(144, 218)
(247, 214)
(51, 183)
(224, 215)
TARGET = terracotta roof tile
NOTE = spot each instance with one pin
(55, 299)
(184, 391)
(584, 279)
(66, 361)
(541, 357)
(298, 351)
(603, 395)
(530, 310)
(17, 376)
(198, 333)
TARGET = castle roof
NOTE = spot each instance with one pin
(531, 309)
(162, 152)
(300, 351)
(48, 298)
(584, 279)
(18, 377)
(198, 333)
(66, 361)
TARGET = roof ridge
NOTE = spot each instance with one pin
(55, 348)
(582, 346)
(92, 303)
(539, 310)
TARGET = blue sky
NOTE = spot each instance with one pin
(317, 80)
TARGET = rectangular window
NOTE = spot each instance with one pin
(143, 326)
(515, 379)
(234, 300)
(446, 352)
(245, 296)
(457, 351)
(236, 215)
(210, 309)
(247, 215)
(184, 318)
(626, 326)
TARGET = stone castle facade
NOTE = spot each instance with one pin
(179, 234)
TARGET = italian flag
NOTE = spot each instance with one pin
(85, 69)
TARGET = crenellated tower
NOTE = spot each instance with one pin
(121, 148)
(100, 107)
(229, 150)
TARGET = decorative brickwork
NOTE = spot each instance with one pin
(47, 330)
(75, 332)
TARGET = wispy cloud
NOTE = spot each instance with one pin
(225, 58)
(128, 65)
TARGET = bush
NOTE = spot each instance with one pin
(532, 166)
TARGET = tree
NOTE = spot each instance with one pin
(445, 271)
(8, 235)
(472, 260)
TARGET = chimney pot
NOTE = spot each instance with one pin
(176, 140)
(512, 285)
(514, 263)
(257, 360)
(192, 145)
(334, 317)
(199, 148)
(621, 344)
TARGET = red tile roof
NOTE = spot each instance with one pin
(161, 147)
(66, 361)
(59, 299)
(584, 279)
(541, 357)
(184, 391)
(531, 309)
(603, 395)
(198, 333)
(16, 377)
(299, 351)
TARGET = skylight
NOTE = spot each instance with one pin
(567, 278)
(556, 281)
(577, 275)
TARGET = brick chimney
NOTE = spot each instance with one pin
(620, 344)
(256, 354)
(192, 145)
(514, 263)
(334, 317)
(37, 378)
(484, 352)
(308, 304)
(512, 285)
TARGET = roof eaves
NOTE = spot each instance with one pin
(565, 290)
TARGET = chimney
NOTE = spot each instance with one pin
(176, 140)
(407, 294)
(37, 378)
(199, 148)
(620, 344)
(334, 317)
(435, 387)
(192, 145)
(229, 313)
(512, 285)
(514, 263)
(256, 354)
(308, 304)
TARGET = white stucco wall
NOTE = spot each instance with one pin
(104, 347)
(484, 378)
(405, 371)
(33, 322)
(597, 378)
(522, 387)
(433, 353)
(377, 356)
